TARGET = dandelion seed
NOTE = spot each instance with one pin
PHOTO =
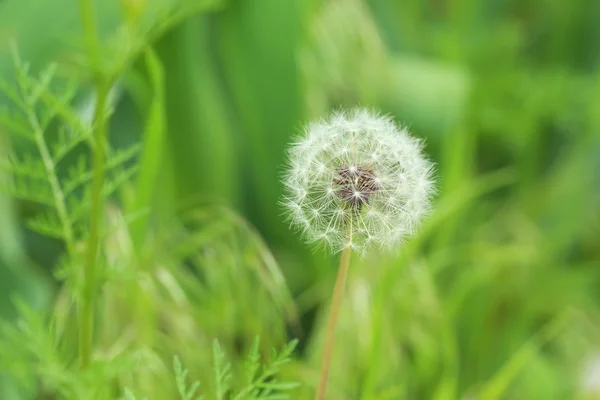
(367, 178)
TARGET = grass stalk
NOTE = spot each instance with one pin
(332, 319)
(86, 317)
(88, 298)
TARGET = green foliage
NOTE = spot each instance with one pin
(60, 156)
(263, 386)
(496, 298)
(34, 348)
(186, 393)
(222, 372)
(36, 178)
(261, 382)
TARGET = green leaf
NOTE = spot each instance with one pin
(222, 371)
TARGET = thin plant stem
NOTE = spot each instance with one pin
(334, 312)
(86, 318)
(90, 35)
(88, 298)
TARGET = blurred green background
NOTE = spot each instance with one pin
(498, 297)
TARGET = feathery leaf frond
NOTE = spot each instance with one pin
(45, 117)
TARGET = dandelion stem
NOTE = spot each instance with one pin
(334, 312)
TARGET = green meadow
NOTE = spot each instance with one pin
(144, 250)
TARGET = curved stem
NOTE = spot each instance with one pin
(334, 312)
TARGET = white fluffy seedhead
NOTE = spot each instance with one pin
(356, 180)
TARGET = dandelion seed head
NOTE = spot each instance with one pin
(357, 180)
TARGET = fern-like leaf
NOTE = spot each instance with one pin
(266, 385)
(67, 141)
(15, 123)
(25, 167)
(252, 362)
(260, 383)
(181, 375)
(40, 104)
(34, 191)
(80, 175)
(222, 371)
(47, 224)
